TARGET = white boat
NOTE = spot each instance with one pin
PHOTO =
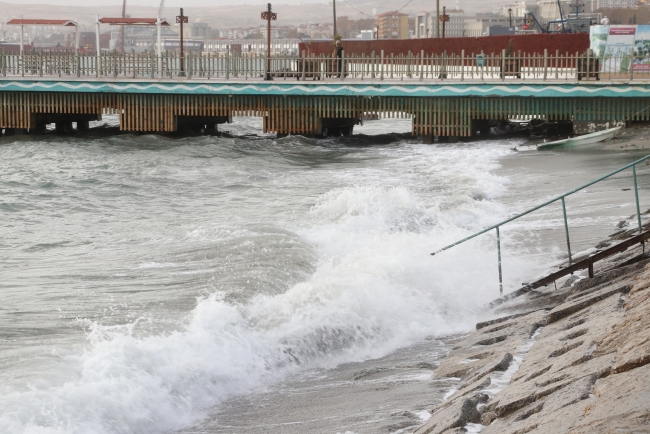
(586, 139)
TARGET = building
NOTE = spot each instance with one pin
(366, 34)
(393, 25)
(422, 25)
(459, 24)
(597, 4)
(252, 46)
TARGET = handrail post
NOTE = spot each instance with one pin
(636, 194)
(462, 65)
(566, 231)
(227, 65)
(499, 255)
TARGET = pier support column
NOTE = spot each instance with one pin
(335, 127)
(428, 140)
(63, 127)
(83, 126)
(15, 131)
(482, 126)
(200, 124)
(41, 128)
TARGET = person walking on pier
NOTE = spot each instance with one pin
(339, 56)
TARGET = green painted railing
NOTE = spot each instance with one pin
(566, 224)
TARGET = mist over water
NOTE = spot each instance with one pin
(147, 280)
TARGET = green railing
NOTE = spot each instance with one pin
(566, 224)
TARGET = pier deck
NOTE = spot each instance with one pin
(33, 92)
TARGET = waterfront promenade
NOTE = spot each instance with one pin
(446, 96)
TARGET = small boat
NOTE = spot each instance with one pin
(586, 139)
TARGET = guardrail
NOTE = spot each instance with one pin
(561, 198)
(376, 66)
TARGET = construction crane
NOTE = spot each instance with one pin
(120, 42)
(161, 9)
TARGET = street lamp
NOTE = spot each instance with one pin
(376, 33)
(510, 16)
(269, 16)
(180, 19)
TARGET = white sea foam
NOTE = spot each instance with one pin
(374, 289)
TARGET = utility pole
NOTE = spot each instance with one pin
(444, 18)
(437, 21)
(120, 42)
(268, 16)
(334, 11)
(180, 19)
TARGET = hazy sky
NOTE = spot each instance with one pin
(156, 3)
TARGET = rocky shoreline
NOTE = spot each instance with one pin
(575, 359)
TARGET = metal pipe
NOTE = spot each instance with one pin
(543, 204)
(437, 20)
(182, 59)
(566, 231)
(636, 195)
(159, 51)
(499, 254)
(334, 11)
(99, 50)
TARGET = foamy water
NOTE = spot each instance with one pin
(148, 280)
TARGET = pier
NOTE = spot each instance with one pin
(445, 96)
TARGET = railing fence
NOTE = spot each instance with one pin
(566, 223)
(375, 66)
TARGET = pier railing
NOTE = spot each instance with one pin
(588, 263)
(421, 66)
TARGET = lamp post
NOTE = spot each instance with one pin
(376, 33)
(334, 12)
(268, 16)
(180, 19)
(510, 16)
(443, 19)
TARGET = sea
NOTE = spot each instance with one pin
(243, 283)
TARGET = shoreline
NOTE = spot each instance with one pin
(573, 359)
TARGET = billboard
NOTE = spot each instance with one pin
(621, 47)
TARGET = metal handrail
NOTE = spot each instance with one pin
(566, 225)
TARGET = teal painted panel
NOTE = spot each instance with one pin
(503, 89)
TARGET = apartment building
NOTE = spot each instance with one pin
(393, 25)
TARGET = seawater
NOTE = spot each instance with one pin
(154, 284)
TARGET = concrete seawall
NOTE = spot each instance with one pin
(575, 359)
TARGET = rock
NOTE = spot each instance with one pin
(488, 417)
(540, 407)
(571, 280)
(587, 371)
(621, 404)
(583, 301)
(454, 415)
(630, 338)
(569, 342)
